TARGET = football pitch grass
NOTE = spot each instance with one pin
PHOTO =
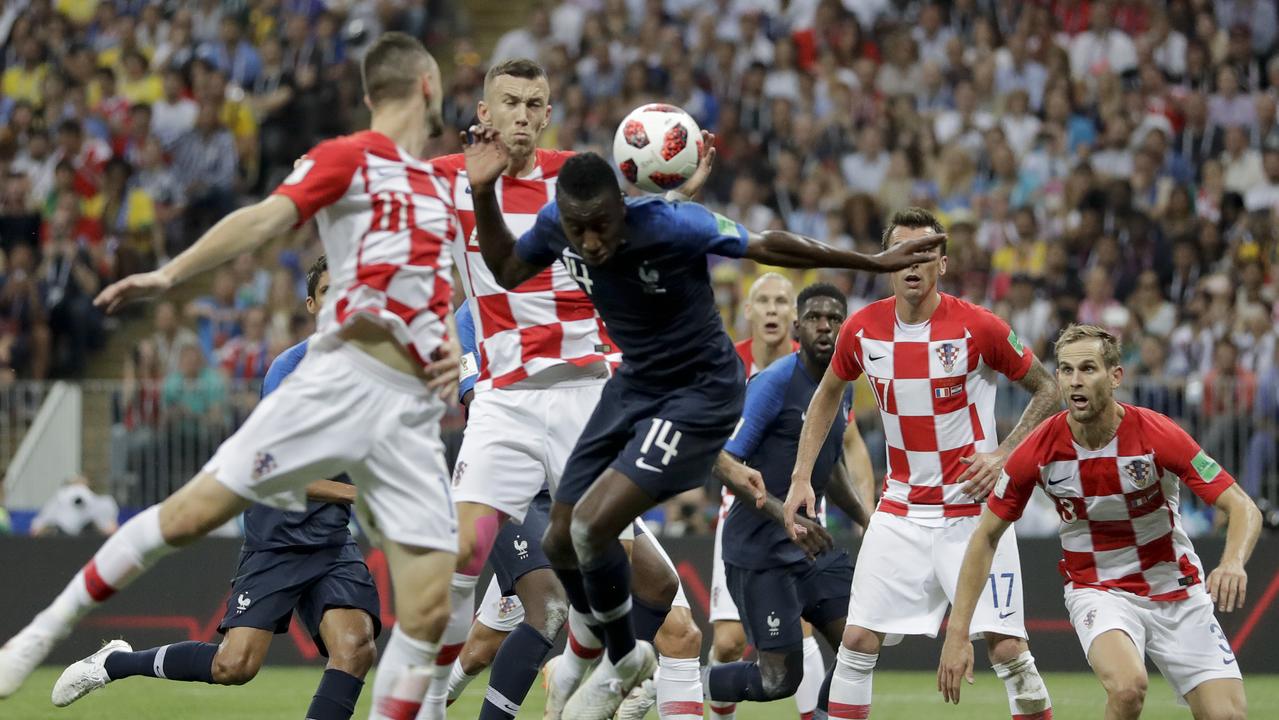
(285, 692)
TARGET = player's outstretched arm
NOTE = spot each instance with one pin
(788, 249)
(486, 158)
(817, 422)
(1045, 399)
(237, 233)
(957, 652)
(1228, 582)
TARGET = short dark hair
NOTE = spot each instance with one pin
(586, 175)
(313, 273)
(392, 67)
(1111, 352)
(820, 289)
(912, 217)
(515, 67)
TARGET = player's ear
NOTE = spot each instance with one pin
(547, 119)
(941, 266)
(311, 305)
(482, 112)
(1116, 376)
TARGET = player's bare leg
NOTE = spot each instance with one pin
(477, 655)
(520, 657)
(728, 644)
(1122, 672)
(420, 580)
(1012, 662)
(1218, 699)
(190, 513)
(347, 634)
(240, 655)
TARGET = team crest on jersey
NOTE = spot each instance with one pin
(649, 276)
(948, 354)
(458, 472)
(1090, 618)
(1140, 472)
(263, 464)
(774, 625)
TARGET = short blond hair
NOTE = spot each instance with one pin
(1110, 348)
(759, 283)
(393, 67)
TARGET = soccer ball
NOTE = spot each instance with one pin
(657, 147)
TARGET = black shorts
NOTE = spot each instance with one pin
(665, 441)
(270, 584)
(771, 602)
(517, 551)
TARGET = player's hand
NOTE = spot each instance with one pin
(981, 474)
(751, 478)
(445, 369)
(486, 156)
(811, 537)
(705, 163)
(132, 288)
(911, 252)
(800, 495)
(1228, 584)
(956, 663)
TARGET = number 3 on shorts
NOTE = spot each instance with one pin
(661, 437)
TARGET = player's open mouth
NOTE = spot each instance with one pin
(772, 327)
(912, 280)
(1078, 402)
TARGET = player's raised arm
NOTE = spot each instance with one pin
(486, 158)
(817, 422)
(788, 249)
(240, 232)
(957, 652)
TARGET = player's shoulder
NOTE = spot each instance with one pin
(1146, 426)
(452, 164)
(1044, 442)
(353, 145)
(550, 161)
(286, 361)
(880, 314)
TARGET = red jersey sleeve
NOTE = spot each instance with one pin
(1178, 453)
(1016, 483)
(998, 344)
(321, 177)
(848, 349)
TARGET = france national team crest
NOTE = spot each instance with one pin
(263, 464)
(1139, 471)
(774, 625)
(948, 354)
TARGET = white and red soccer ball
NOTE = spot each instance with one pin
(657, 147)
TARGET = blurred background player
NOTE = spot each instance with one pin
(664, 417)
(545, 352)
(364, 401)
(930, 359)
(1134, 586)
(776, 583)
(770, 313)
(305, 560)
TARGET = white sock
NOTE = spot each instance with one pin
(458, 680)
(679, 688)
(851, 684)
(136, 546)
(720, 710)
(583, 647)
(461, 615)
(1027, 697)
(402, 678)
(814, 675)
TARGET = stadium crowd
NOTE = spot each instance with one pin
(1113, 163)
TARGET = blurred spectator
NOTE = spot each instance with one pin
(73, 509)
(247, 356)
(195, 412)
(232, 53)
(1240, 163)
(204, 163)
(1102, 49)
(216, 316)
(127, 220)
(1265, 195)
(169, 337)
(70, 283)
(22, 81)
(173, 115)
(157, 180)
(24, 327)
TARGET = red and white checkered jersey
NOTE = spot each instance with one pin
(1120, 528)
(546, 322)
(383, 217)
(935, 386)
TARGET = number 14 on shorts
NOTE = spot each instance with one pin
(660, 435)
(1007, 580)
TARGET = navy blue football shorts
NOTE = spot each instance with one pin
(771, 602)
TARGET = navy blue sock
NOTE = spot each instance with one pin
(574, 589)
(738, 681)
(514, 671)
(608, 585)
(648, 619)
(823, 695)
(336, 696)
(192, 661)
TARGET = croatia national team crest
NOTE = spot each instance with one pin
(948, 354)
(263, 464)
(1139, 471)
(1090, 618)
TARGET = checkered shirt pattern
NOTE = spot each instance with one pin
(547, 321)
(934, 384)
(1120, 526)
(383, 218)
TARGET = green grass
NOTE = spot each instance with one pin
(284, 692)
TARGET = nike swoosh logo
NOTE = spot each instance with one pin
(639, 463)
(1010, 613)
(1058, 481)
(873, 358)
(1227, 661)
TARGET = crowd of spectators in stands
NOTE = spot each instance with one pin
(1114, 162)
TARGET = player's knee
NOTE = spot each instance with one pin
(425, 621)
(232, 667)
(781, 679)
(1128, 694)
(1234, 707)
(679, 636)
(353, 653)
(585, 536)
(859, 639)
(557, 545)
(1004, 648)
(728, 641)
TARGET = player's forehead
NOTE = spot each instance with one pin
(1081, 351)
(822, 306)
(902, 233)
(525, 89)
(585, 210)
(772, 288)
